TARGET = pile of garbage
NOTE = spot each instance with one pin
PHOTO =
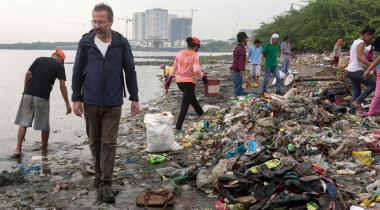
(321, 60)
(302, 150)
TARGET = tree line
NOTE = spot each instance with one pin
(316, 26)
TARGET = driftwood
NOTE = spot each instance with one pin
(317, 78)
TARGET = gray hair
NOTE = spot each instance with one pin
(104, 7)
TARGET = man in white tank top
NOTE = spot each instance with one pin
(355, 69)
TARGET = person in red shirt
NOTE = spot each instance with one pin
(239, 75)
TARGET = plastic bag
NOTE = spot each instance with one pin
(203, 178)
(363, 157)
(282, 76)
(160, 133)
(289, 80)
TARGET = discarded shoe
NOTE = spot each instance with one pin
(106, 194)
(264, 170)
(270, 164)
(155, 198)
(284, 167)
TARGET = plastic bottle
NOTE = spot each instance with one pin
(157, 159)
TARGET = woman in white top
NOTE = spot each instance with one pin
(355, 69)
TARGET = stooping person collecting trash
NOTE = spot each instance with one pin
(35, 105)
(186, 70)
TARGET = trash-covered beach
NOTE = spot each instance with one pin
(302, 150)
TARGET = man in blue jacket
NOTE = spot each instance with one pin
(98, 87)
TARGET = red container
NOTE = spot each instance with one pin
(212, 88)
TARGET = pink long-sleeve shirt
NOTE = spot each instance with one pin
(186, 67)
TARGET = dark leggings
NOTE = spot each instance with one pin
(188, 98)
(357, 80)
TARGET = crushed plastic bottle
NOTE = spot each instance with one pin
(157, 159)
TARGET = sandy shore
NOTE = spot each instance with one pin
(71, 165)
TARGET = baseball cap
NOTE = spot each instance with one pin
(275, 36)
(60, 53)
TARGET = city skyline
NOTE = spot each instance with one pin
(57, 21)
(159, 23)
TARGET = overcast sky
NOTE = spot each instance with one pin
(67, 20)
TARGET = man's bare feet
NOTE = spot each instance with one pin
(17, 154)
(44, 151)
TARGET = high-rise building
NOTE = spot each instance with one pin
(157, 24)
(138, 26)
(171, 17)
(180, 29)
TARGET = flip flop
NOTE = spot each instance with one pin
(263, 194)
(295, 186)
(309, 178)
(266, 172)
(284, 167)
(303, 169)
(287, 199)
(258, 205)
(271, 164)
(258, 160)
(291, 175)
(329, 203)
(331, 190)
(360, 108)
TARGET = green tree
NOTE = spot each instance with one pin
(316, 26)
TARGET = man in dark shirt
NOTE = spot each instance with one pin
(239, 74)
(34, 106)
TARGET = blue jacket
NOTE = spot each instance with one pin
(99, 80)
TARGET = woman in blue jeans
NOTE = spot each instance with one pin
(355, 69)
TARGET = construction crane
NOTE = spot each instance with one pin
(127, 20)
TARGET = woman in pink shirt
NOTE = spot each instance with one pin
(186, 70)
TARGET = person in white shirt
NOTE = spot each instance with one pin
(355, 69)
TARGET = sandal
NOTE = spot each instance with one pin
(266, 172)
(284, 167)
(357, 107)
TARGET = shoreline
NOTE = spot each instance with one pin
(132, 172)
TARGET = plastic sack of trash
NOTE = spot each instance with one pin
(160, 133)
(289, 80)
(282, 76)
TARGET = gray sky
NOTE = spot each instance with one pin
(51, 20)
